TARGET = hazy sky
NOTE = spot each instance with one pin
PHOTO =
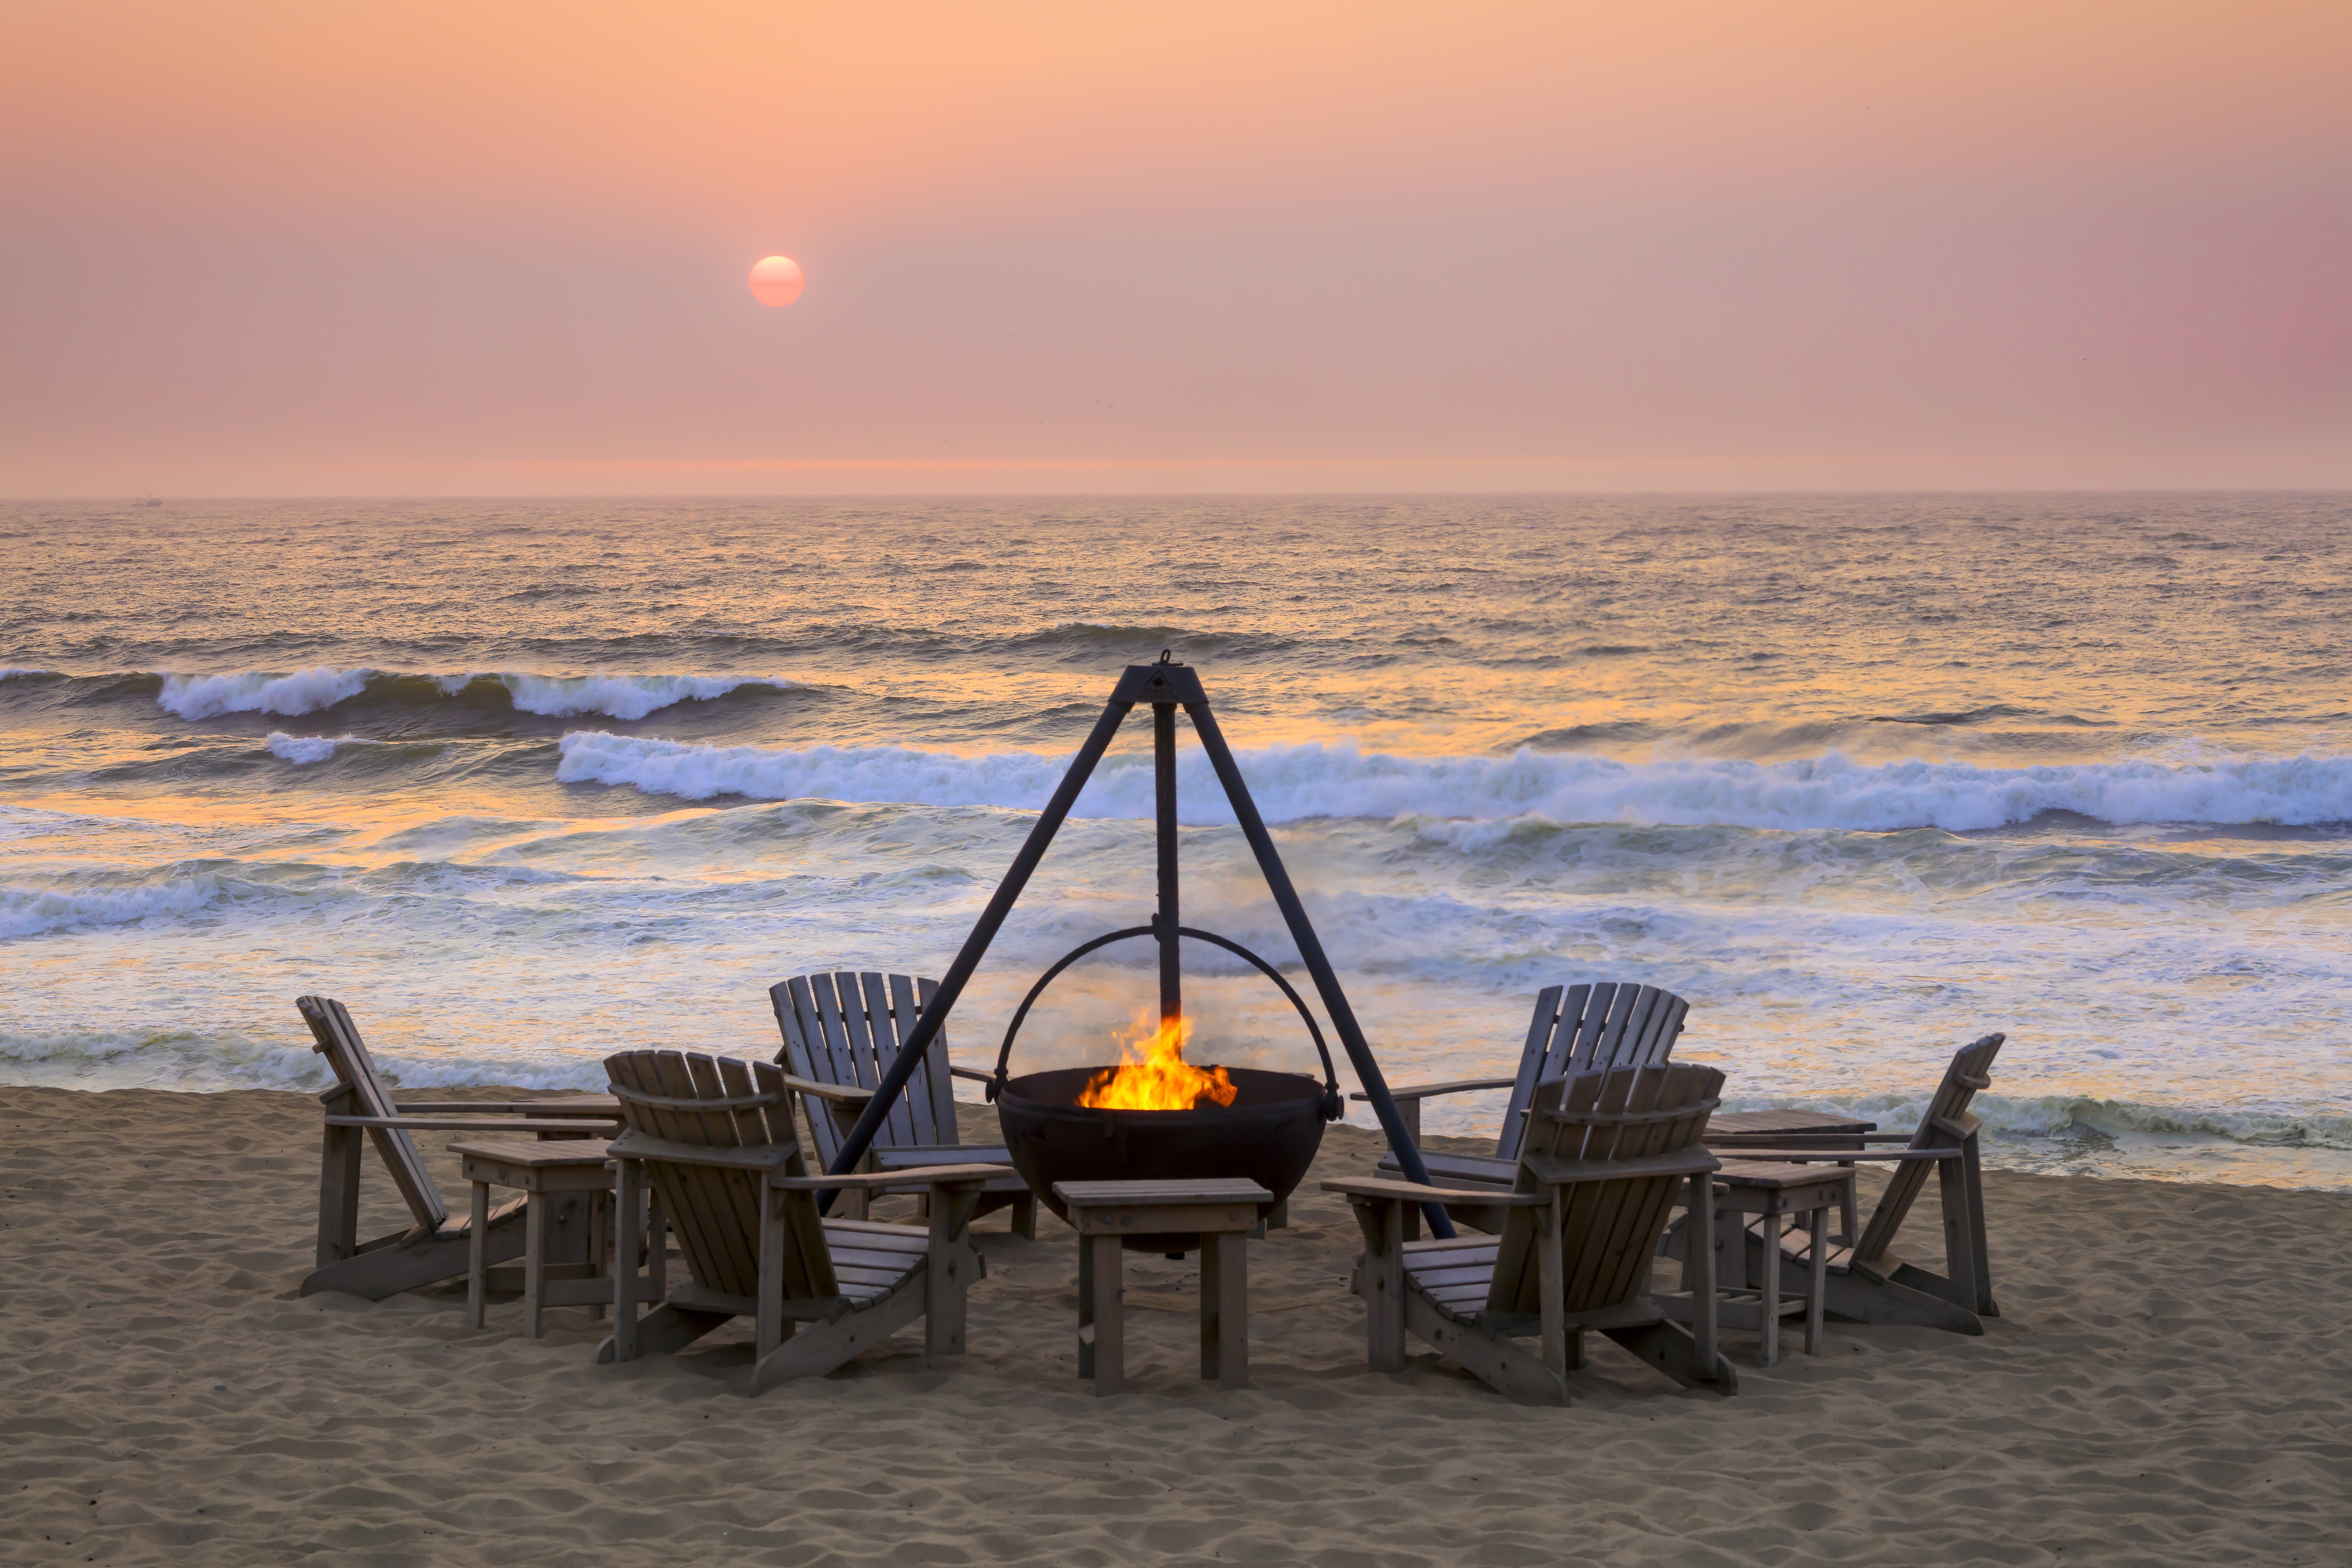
(311, 249)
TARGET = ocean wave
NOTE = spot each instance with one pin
(301, 748)
(2069, 1115)
(37, 911)
(1294, 782)
(290, 695)
(623, 697)
(304, 692)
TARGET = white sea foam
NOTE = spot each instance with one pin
(301, 748)
(304, 692)
(1292, 783)
(622, 697)
(35, 911)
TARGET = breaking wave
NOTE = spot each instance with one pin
(622, 697)
(1295, 782)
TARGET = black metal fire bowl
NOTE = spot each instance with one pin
(1268, 1135)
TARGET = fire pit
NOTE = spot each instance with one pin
(1158, 1117)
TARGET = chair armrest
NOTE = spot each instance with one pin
(1423, 1091)
(925, 1176)
(833, 1091)
(502, 1108)
(1795, 1156)
(475, 1124)
(1413, 1193)
(972, 1073)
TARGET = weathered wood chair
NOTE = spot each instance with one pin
(842, 1031)
(1868, 1281)
(1575, 1028)
(715, 1139)
(437, 1247)
(1598, 1171)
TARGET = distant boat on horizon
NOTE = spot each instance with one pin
(148, 500)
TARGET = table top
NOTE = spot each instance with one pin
(1773, 1174)
(1136, 1195)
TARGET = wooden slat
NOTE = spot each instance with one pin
(1583, 1053)
(806, 1056)
(1533, 1056)
(910, 1120)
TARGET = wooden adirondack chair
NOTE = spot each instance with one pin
(842, 1031)
(715, 1139)
(1868, 1281)
(437, 1247)
(1604, 1154)
(1575, 1028)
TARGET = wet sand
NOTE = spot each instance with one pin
(2171, 1382)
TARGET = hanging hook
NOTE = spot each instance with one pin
(1164, 653)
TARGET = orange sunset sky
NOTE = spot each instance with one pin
(305, 249)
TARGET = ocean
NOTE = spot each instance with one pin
(1862, 777)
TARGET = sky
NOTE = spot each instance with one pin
(1693, 245)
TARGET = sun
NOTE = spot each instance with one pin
(776, 280)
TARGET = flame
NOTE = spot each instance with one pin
(1155, 1076)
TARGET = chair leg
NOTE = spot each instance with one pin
(478, 1258)
(339, 1191)
(627, 1219)
(1959, 1232)
(1817, 1284)
(1552, 1288)
(1384, 1331)
(1698, 1268)
(1974, 1172)
(534, 1262)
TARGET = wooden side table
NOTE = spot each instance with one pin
(549, 1171)
(1805, 1193)
(1789, 1130)
(1221, 1212)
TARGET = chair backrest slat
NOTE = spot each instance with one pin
(1971, 1067)
(347, 1054)
(715, 1212)
(847, 1028)
(804, 1054)
(1588, 1028)
(1610, 1226)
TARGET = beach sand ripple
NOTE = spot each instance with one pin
(2172, 1384)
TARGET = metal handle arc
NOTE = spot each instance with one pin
(1333, 1107)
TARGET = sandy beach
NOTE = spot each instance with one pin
(2171, 1382)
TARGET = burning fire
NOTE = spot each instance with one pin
(1155, 1076)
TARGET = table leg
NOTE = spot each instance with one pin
(478, 1258)
(1211, 1300)
(1232, 1253)
(657, 1246)
(600, 1246)
(534, 1260)
(1085, 1306)
(1110, 1362)
(1771, 1298)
